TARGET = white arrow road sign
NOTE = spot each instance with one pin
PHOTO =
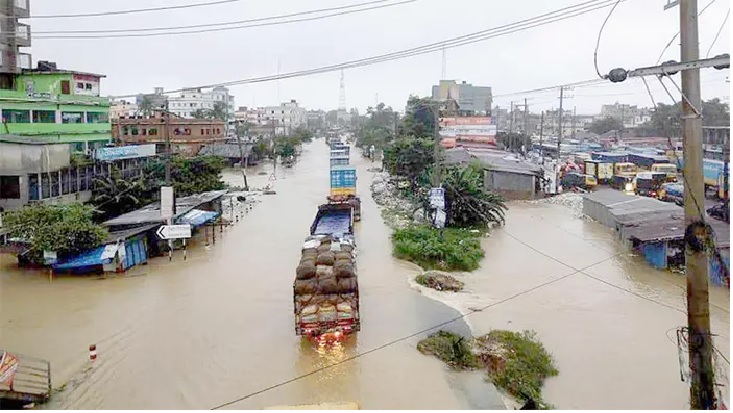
(174, 231)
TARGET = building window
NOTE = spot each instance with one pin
(9, 187)
(202, 131)
(134, 131)
(144, 132)
(72, 117)
(45, 186)
(80, 85)
(65, 181)
(65, 87)
(88, 86)
(152, 131)
(33, 193)
(97, 117)
(16, 116)
(55, 184)
(44, 116)
(125, 131)
(208, 131)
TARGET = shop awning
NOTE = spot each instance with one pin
(197, 217)
(85, 259)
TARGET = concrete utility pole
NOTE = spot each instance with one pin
(511, 124)
(167, 118)
(702, 386)
(498, 123)
(542, 126)
(559, 124)
(572, 123)
(526, 117)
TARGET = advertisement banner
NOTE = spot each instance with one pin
(465, 121)
(8, 367)
(125, 152)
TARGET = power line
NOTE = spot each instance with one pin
(727, 14)
(125, 32)
(668, 45)
(547, 18)
(132, 11)
(403, 338)
(598, 42)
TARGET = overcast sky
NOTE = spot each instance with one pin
(550, 55)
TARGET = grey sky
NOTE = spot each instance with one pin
(549, 55)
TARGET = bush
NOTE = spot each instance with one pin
(439, 281)
(459, 250)
(518, 363)
(451, 348)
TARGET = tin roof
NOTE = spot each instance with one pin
(150, 214)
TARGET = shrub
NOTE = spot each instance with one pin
(451, 348)
(459, 250)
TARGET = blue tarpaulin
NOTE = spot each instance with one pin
(85, 259)
(334, 223)
(197, 217)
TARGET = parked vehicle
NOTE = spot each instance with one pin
(602, 170)
(713, 173)
(668, 168)
(623, 176)
(577, 180)
(672, 192)
(326, 289)
(720, 211)
(649, 183)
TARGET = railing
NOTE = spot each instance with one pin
(32, 381)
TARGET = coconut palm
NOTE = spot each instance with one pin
(113, 195)
(467, 204)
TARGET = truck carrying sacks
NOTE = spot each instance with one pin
(326, 289)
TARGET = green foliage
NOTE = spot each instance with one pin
(302, 134)
(191, 175)
(218, 112)
(526, 364)
(604, 125)
(261, 149)
(467, 204)
(378, 127)
(458, 250)
(410, 158)
(66, 229)
(419, 120)
(665, 119)
(451, 348)
(113, 195)
(285, 145)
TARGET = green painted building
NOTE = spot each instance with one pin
(58, 106)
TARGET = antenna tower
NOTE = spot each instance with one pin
(342, 93)
(442, 73)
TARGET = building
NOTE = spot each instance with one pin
(122, 109)
(251, 116)
(187, 136)
(286, 117)
(469, 97)
(35, 170)
(191, 100)
(12, 59)
(620, 111)
(151, 101)
(56, 106)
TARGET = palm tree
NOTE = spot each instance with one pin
(467, 204)
(219, 111)
(146, 106)
(114, 195)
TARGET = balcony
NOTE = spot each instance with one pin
(23, 35)
(40, 97)
(51, 129)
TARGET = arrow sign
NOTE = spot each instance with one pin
(174, 231)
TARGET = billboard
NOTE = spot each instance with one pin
(485, 121)
(125, 152)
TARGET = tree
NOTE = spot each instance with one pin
(411, 158)
(378, 127)
(218, 112)
(113, 195)
(146, 106)
(302, 134)
(66, 229)
(715, 113)
(191, 176)
(467, 204)
(607, 124)
(419, 120)
(513, 141)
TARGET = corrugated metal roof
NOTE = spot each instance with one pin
(151, 213)
(226, 150)
(493, 160)
(127, 233)
(673, 228)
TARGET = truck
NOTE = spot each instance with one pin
(339, 160)
(341, 147)
(623, 176)
(343, 180)
(714, 176)
(326, 288)
(667, 168)
(601, 170)
(649, 184)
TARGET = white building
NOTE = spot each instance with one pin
(192, 99)
(287, 116)
(122, 108)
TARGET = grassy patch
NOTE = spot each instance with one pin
(453, 349)
(459, 250)
(439, 281)
(517, 363)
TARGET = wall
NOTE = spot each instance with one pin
(512, 186)
(16, 159)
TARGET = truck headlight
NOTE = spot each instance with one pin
(629, 187)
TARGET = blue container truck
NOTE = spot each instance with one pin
(339, 160)
(712, 170)
(343, 176)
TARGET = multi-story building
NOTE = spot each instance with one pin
(187, 136)
(286, 117)
(12, 59)
(56, 106)
(251, 116)
(469, 97)
(149, 102)
(191, 100)
(122, 109)
(623, 112)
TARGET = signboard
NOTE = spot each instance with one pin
(166, 202)
(437, 198)
(50, 257)
(8, 367)
(109, 252)
(174, 231)
(125, 152)
(439, 218)
(465, 121)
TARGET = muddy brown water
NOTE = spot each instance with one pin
(196, 334)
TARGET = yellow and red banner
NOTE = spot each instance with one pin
(8, 367)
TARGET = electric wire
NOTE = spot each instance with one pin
(403, 338)
(372, 5)
(475, 37)
(598, 42)
(725, 20)
(668, 45)
(132, 11)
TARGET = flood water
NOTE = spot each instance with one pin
(219, 326)
(199, 333)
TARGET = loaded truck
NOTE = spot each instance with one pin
(326, 288)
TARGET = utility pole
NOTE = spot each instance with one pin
(559, 124)
(436, 144)
(167, 118)
(511, 124)
(498, 123)
(572, 123)
(702, 385)
(542, 126)
(526, 117)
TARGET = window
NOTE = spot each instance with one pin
(97, 117)
(73, 180)
(33, 193)
(80, 85)
(134, 131)
(55, 184)
(152, 131)
(125, 130)
(88, 86)
(65, 181)
(72, 117)
(202, 131)
(16, 116)
(9, 187)
(44, 116)
(45, 186)
(144, 132)
(208, 131)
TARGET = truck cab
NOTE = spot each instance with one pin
(669, 169)
(649, 184)
(623, 176)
